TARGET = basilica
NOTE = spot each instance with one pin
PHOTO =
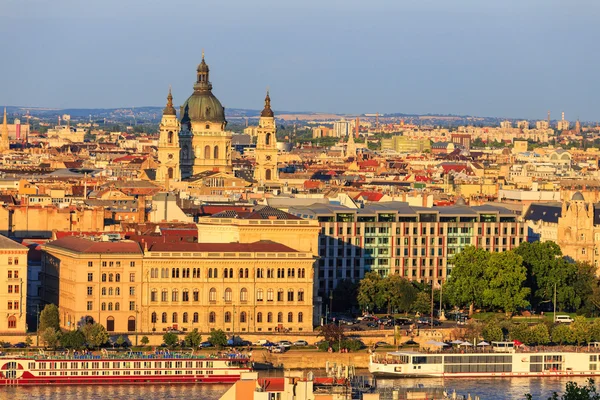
(197, 142)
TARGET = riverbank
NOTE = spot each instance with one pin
(312, 359)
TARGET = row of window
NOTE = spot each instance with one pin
(119, 364)
(13, 305)
(116, 264)
(227, 317)
(14, 288)
(110, 277)
(110, 291)
(228, 295)
(13, 274)
(12, 261)
(109, 306)
(415, 231)
(228, 273)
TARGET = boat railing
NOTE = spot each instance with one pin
(105, 355)
(489, 350)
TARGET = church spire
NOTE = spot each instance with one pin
(267, 112)
(169, 109)
(202, 81)
(4, 144)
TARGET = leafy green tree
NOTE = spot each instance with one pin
(368, 290)
(585, 286)
(49, 318)
(95, 334)
(28, 341)
(562, 334)
(120, 340)
(539, 334)
(72, 340)
(581, 330)
(466, 284)
(394, 293)
(505, 275)
(521, 332)
(595, 330)
(144, 340)
(575, 392)
(218, 338)
(170, 339)
(492, 332)
(50, 337)
(193, 338)
(422, 303)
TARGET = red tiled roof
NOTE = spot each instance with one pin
(82, 245)
(370, 196)
(261, 246)
(272, 384)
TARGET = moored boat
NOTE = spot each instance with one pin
(131, 367)
(501, 360)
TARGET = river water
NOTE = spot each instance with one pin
(486, 389)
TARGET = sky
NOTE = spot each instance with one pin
(504, 58)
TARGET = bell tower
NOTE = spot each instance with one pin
(265, 169)
(168, 145)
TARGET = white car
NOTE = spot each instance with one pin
(300, 343)
(285, 343)
(563, 319)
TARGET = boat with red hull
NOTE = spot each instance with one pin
(129, 368)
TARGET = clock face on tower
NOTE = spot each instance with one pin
(268, 158)
(170, 156)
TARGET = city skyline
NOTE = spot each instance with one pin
(340, 57)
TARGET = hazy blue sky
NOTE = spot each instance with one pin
(512, 58)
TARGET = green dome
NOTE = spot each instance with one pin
(202, 105)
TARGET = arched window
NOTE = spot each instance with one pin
(12, 322)
(216, 153)
(118, 291)
(212, 294)
(267, 175)
(154, 318)
(118, 278)
(117, 306)
(259, 317)
(290, 317)
(227, 317)
(244, 295)
(269, 273)
(103, 277)
(212, 317)
(259, 295)
(246, 271)
(293, 273)
(228, 295)
(270, 317)
(268, 139)
(170, 173)
(110, 277)
(110, 291)
(164, 296)
(259, 273)
(226, 273)
(279, 294)
(174, 318)
(290, 295)
(301, 295)
(210, 273)
(103, 306)
(196, 295)
(216, 273)
(300, 317)
(195, 318)
(110, 306)
(164, 318)
(175, 295)
(185, 318)
(207, 152)
(110, 324)
(269, 294)
(185, 295)
(280, 318)
(103, 291)
(231, 272)
(243, 317)
(241, 273)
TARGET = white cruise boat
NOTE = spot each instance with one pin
(501, 359)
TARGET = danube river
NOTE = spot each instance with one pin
(486, 389)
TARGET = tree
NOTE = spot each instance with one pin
(50, 337)
(466, 283)
(505, 275)
(120, 341)
(193, 338)
(144, 340)
(170, 339)
(575, 392)
(521, 332)
(72, 340)
(28, 341)
(95, 335)
(218, 338)
(491, 332)
(581, 330)
(394, 293)
(539, 334)
(595, 330)
(332, 333)
(562, 334)
(49, 318)
(422, 303)
(368, 290)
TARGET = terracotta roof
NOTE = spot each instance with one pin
(369, 196)
(82, 245)
(261, 246)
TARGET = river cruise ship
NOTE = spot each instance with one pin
(501, 359)
(116, 368)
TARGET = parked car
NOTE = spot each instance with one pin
(563, 319)
(319, 342)
(427, 321)
(277, 349)
(261, 342)
(20, 345)
(382, 344)
(403, 321)
(205, 344)
(285, 343)
(300, 343)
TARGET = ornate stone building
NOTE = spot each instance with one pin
(577, 231)
(205, 144)
(4, 143)
(13, 292)
(265, 170)
(168, 146)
